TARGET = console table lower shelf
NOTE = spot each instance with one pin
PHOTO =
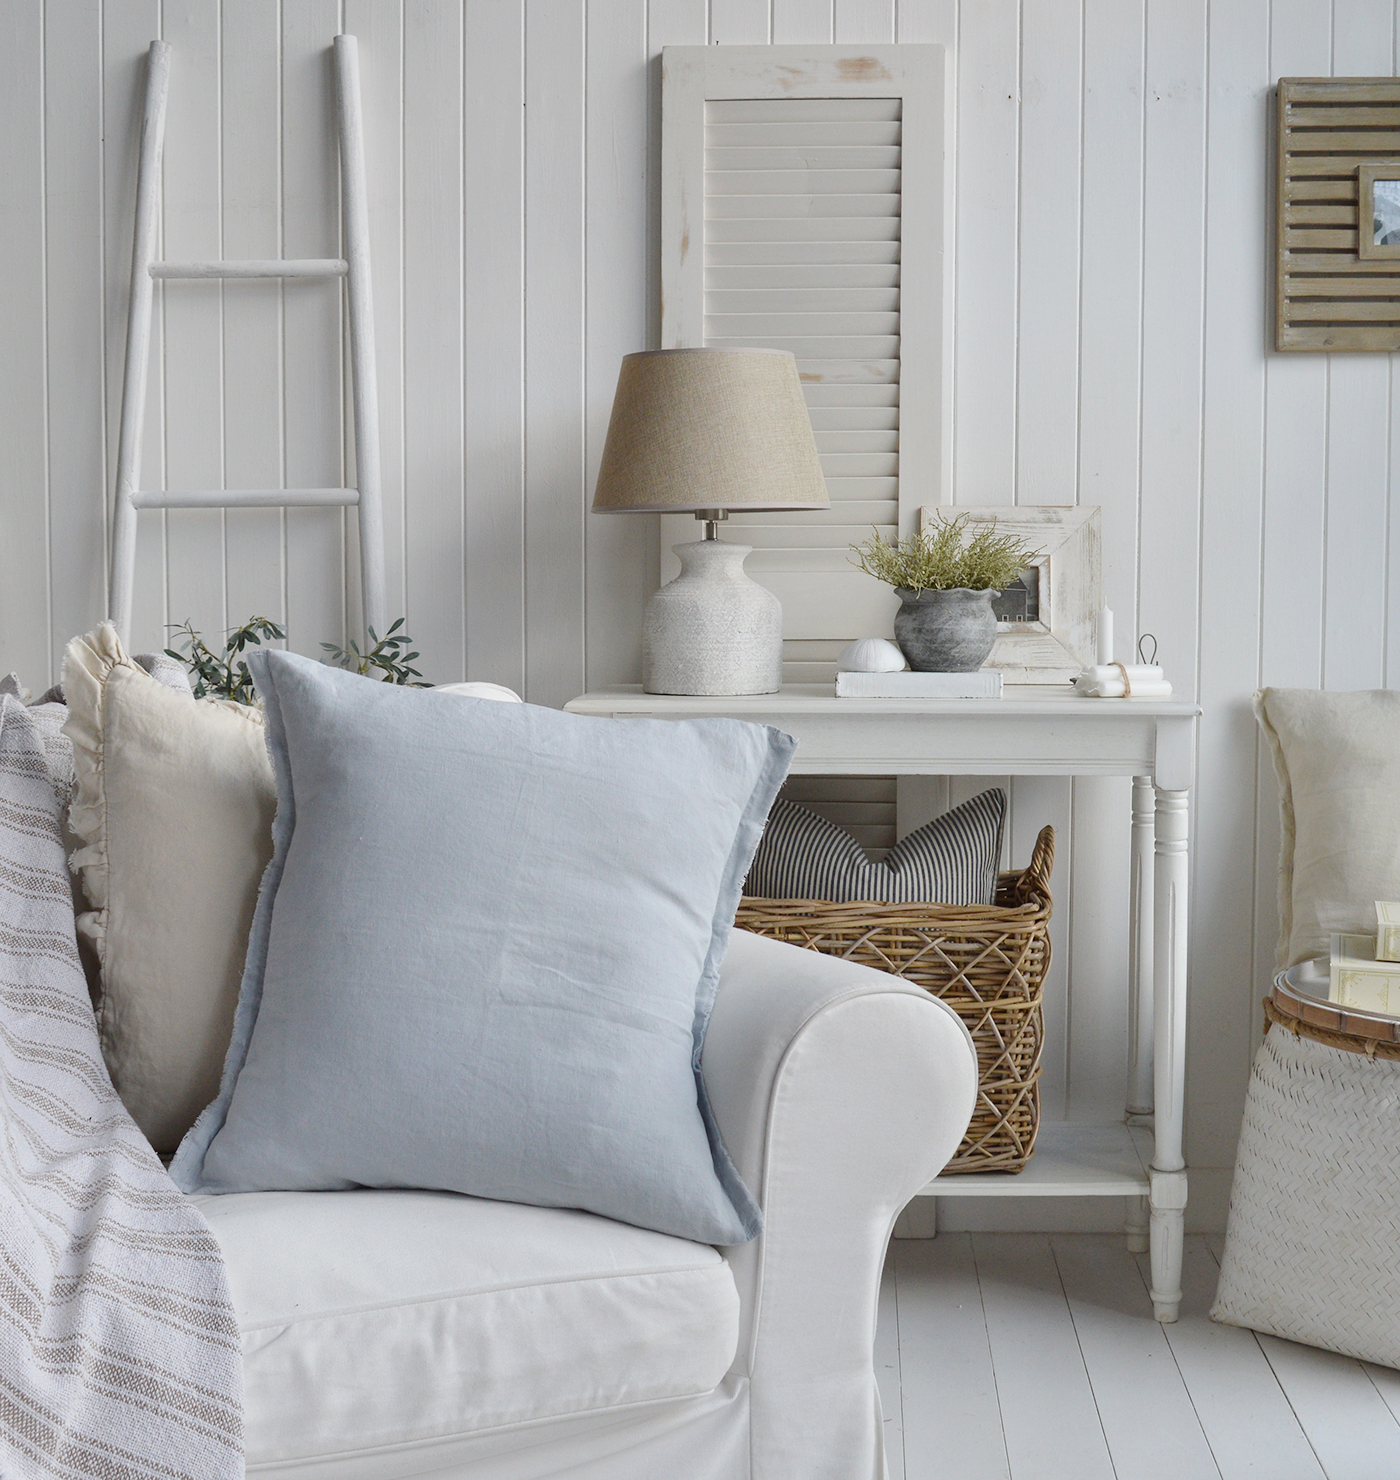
(1073, 1160)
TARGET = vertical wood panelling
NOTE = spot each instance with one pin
(1295, 450)
(433, 328)
(1111, 160)
(250, 156)
(857, 21)
(313, 400)
(620, 548)
(555, 498)
(738, 22)
(1358, 471)
(24, 533)
(73, 252)
(192, 344)
(798, 22)
(1048, 218)
(985, 301)
(379, 29)
(493, 160)
(1173, 277)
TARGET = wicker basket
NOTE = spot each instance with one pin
(986, 962)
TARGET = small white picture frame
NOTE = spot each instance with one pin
(1059, 643)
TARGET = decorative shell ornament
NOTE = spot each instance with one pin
(870, 655)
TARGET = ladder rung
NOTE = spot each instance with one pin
(254, 268)
(243, 498)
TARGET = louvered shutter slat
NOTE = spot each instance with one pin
(791, 112)
(786, 253)
(781, 156)
(804, 276)
(794, 230)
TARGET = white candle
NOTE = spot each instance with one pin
(1105, 636)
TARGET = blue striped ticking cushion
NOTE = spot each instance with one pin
(951, 860)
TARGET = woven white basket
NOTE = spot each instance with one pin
(1313, 1247)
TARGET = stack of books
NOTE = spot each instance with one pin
(1365, 969)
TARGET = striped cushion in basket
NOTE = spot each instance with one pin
(951, 860)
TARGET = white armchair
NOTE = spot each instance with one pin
(391, 1334)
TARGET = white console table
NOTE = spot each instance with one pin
(1040, 731)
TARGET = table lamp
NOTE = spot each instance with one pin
(704, 431)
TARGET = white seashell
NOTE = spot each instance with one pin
(870, 655)
(480, 691)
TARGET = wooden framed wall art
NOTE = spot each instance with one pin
(1337, 277)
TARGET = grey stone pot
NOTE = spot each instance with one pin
(945, 631)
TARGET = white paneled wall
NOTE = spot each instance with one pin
(1111, 347)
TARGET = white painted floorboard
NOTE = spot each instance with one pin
(1035, 1357)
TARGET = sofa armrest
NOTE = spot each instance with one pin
(840, 1091)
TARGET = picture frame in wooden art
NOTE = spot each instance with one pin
(1045, 630)
(1337, 249)
(1378, 212)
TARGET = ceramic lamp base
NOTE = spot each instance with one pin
(712, 630)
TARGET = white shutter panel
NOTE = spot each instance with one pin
(803, 209)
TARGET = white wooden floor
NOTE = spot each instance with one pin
(1035, 1357)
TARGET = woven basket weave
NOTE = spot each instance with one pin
(986, 962)
(1310, 1250)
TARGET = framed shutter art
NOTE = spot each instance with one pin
(804, 206)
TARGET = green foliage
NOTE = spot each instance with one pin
(387, 659)
(944, 558)
(224, 675)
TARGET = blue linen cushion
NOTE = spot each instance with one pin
(951, 860)
(485, 952)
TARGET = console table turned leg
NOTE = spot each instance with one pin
(1168, 1230)
(1169, 1048)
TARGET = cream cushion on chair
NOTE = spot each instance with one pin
(384, 1318)
(1337, 757)
(174, 808)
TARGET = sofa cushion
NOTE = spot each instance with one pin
(174, 807)
(485, 953)
(373, 1318)
(1337, 759)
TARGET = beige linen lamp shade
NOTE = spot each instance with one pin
(709, 429)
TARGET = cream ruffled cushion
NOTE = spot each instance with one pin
(174, 807)
(1337, 758)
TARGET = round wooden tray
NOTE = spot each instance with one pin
(1300, 997)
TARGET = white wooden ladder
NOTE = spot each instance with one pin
(354, 268)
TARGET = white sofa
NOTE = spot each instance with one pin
(401, 1333)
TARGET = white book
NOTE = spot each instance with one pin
(1359, 980)
(985, 683)
(1387, 930)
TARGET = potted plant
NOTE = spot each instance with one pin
(946, 580)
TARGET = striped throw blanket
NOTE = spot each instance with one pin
(119, 1351)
